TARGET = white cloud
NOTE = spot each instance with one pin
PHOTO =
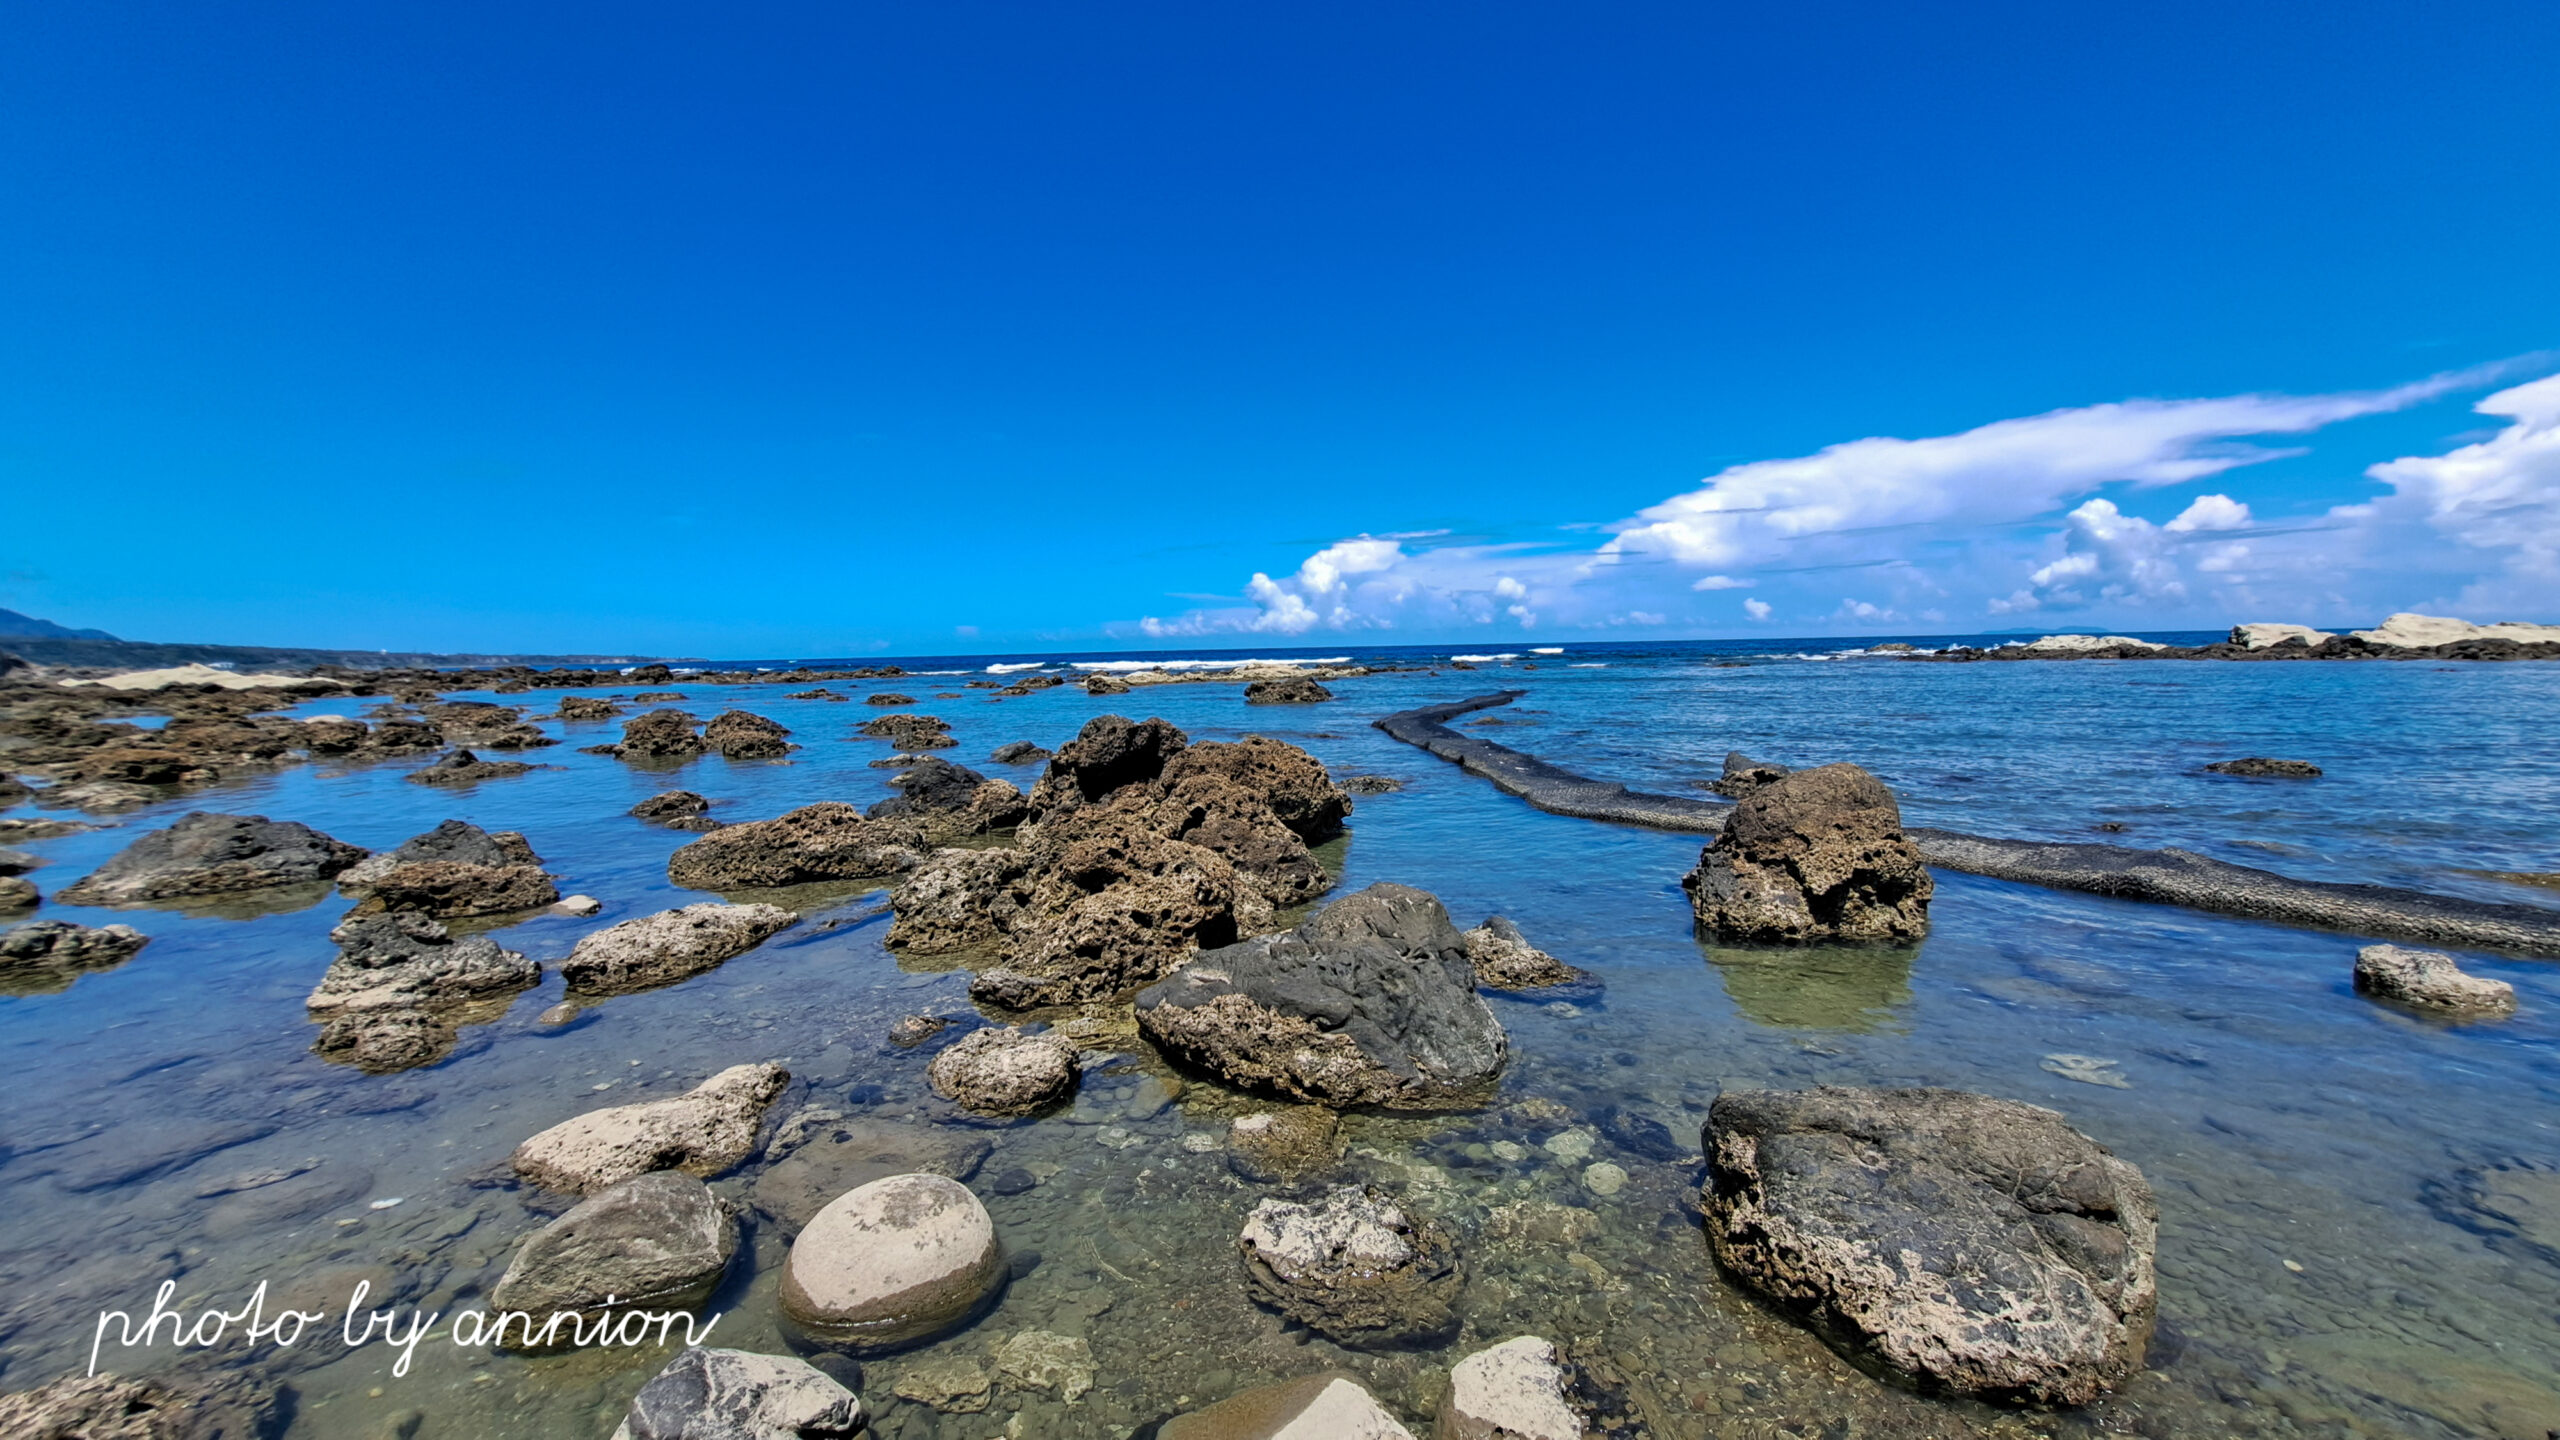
(2002, 519)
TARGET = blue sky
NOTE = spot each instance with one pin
(835, 328)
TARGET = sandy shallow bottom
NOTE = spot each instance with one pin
(2361, 1209)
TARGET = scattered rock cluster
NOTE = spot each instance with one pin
(403, 985)
(1816, 855)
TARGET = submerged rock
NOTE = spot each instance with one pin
(2429, 980)
(1817, 855)
(677, 810)
(1044, 1360)
(2260, 767)
(704, 1132)
(740, 735)
(464, 768)
(1277, 1146)
(44, 956)
(206, 854)
(1355, 1267)
(1371, 1002)
(1370, 784)
(832, 1154)
(161, 1407)
(1505, 960)
(1328, 1406)
(659, 1241)
(456, 869)
(1297, 691)
(402, 985)
(1961, 1240)
(893, 1262)
(825, 841)
(1528, 1389)
(669, 946)
(1003, 1071)
(914, 1030)
(706, 1394)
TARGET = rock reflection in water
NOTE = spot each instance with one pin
(1861, 988)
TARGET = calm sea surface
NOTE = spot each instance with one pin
(2361, 1209)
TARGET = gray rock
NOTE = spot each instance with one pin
(951, 1384)
(1745, 776)
(207, 854)
(893, 1262)
(708, 1394)
(1044, 1360)
(464, 768)
(1355, 1267)
(161, 1407)
(1505, 960)
(843, 1154)
(1969, 1242)
(950, 802)
(2429, 980)
(669, 946)
(456, 869)
(677, 810)
(402, 984)
(44, 956)
(740, 735)
(1516, 1390)
(1327, 1406)
(1018, 752)
(1274, 1146)
(1816, 856)
(825, 841)
(2261, 768)
(1371, 1002)
(704, 1132)
(1371, 784)
(1001, 1070)
(659, 1241)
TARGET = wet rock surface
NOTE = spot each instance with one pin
(707, 1394)
(1505, 960)
(1529, 1389)
(2428, 980)
(1278, 1146)
(1745, 776)
(44, 956)
(1018, 752)
(831, 1154)
(402, 986)
(2260, 767)
(1955, 1239)
(454, 870)
(208, 854)
(659, 1241)
(909, 732)
(825, 841)
(741, 735)
(462, 767)
(1004, 1071)
(1370, 1003)
(161, 1407)
(1285, 692)
(1356, 1267)
(1327, 1406)
(677, 810)
(1370, 784)
(948, 802)
(669, 946)
(704, 1132)
(892, 1262)
(1816, 855)
(659, 737)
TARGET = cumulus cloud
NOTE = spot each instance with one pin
(2002, 519)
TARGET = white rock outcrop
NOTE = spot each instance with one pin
(2412, 631)
(2261, 634)
(1513, 1391)
(2090, 642)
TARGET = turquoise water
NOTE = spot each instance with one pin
(2324, 1271)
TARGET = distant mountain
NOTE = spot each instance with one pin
(14, 626)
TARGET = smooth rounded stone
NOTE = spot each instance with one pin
(1371, 1002)
(1512, 1391)
(659, 1241)
(843, 1154)
(894, 1261)
(2260, 767)
(208, 854)
(578, 906)
(1505, 960)
(1354, 1266)
(43, 956)
(1044, 1360)
(2429, 980)
(1298, 691)
(1001, 1070)
(456, 869)
(669, 946)
(161, 1407)
(1328, 1406)
(1962, 1240)
(737, 1395)
(951, 1384)
(703, 1132)
(825, 841)
(740, 735)
(1818, 855)
(464, 768)
(1607, 1177)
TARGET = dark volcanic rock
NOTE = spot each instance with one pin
(1108, 753)
(1370, 784)
(2260, 767)
(207, 854)
(454, 870)
(1356, 1267)
(587, 707)
(1371, 1002)
(950, 802)
(661, 735)
(821, 693)
(1957, 1239)
(1746, 776)
(706, 1394)
(1289, 780)
(909, 732)
(464, 768)
(1099, 683)
(1298, 691)
(44, 956)
(738, 735)
(886, 698)
(1817, 855)
(402, 985)
(825, 841)
(677, 810)
(1018, 752)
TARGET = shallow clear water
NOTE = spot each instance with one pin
(2281, 1117)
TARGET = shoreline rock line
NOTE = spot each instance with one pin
(2164, 877)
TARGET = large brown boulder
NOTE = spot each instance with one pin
(740, 735)
(456, 869)
(1962, 1240)
(1110, 752)
(1815, 855)
(1291, 781)
(660, 735)
(825, 841)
